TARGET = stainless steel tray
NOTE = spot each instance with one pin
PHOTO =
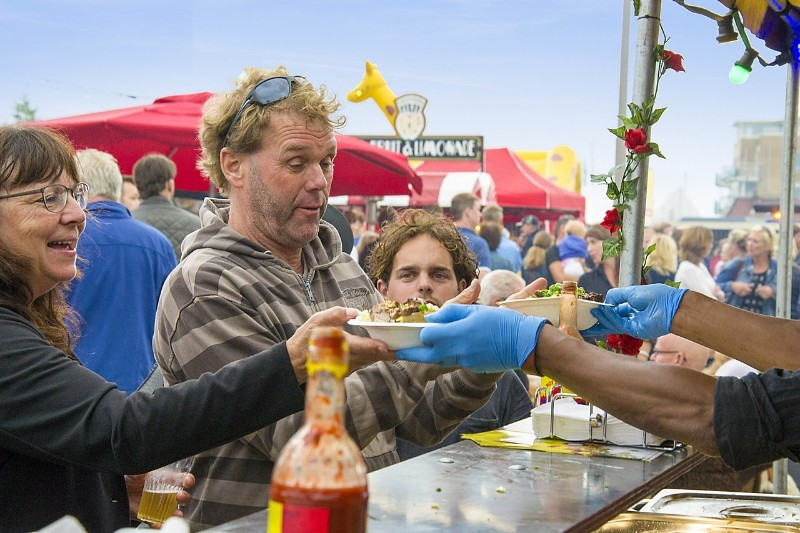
(767, 508)
(666, 523)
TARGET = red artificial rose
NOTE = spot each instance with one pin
(673, 61)
(636, 141)
(624, 344)
(612, 221)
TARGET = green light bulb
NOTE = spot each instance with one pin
(738, 74)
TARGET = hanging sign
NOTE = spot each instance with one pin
(459, 148)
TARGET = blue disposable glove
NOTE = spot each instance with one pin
(476, 337)
(642, 311)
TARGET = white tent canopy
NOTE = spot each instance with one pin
(481, 183)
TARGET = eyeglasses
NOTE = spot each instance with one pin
(655, 353)
(54, 197)
(266, 92)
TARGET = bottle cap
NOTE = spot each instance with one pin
(569, 287)
(328, 352)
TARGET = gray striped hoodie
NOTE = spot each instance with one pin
(230, 298)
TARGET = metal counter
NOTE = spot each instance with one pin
(467, 488)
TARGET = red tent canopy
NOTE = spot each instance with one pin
(169, 126)
(517, 187)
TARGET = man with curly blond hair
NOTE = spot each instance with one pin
(423, 255)
(263, 269)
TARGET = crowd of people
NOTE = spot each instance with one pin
(739, 269)
(225, 301)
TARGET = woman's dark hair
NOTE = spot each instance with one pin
(35, 155)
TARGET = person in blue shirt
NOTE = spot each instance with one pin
(123, 264)
(465, 208)
(492, 233)
(507, 248)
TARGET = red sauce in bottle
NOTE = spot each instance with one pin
(319, 483)
(319, 510)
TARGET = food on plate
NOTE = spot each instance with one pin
(555, 290)
(413, 310)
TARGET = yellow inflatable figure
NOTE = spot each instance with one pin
(559, 166)
(374, 86)
(406, 113)
(563, 164)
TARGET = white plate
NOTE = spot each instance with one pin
(395, 335)
(549, 307)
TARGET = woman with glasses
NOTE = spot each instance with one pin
(751, 282)
(67, 436)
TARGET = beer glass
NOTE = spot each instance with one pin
(161, 489)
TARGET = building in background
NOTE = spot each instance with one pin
(754, 182)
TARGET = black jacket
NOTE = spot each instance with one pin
(173, 221)
(67, 436)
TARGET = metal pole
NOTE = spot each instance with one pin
(371, 205)
(630, 268)
(786, 205)
(624, 52)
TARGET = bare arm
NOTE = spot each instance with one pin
(670, 401)
(557, 271)
(760, 341)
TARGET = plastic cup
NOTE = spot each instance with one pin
(159, 497)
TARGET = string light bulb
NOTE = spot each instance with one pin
(725, 31)
(741, 70)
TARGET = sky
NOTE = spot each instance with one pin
(524, 74)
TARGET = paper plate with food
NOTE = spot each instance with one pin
(397, 324)
(547, 303)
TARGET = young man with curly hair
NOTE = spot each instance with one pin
(422, 255)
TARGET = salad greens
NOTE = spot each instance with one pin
(554, 290)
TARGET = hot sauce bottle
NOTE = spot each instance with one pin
(319, 483)
(567, 323)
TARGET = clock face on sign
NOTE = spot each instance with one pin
(409, 126)
(410, 121)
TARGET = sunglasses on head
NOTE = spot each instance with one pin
(266, 92)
